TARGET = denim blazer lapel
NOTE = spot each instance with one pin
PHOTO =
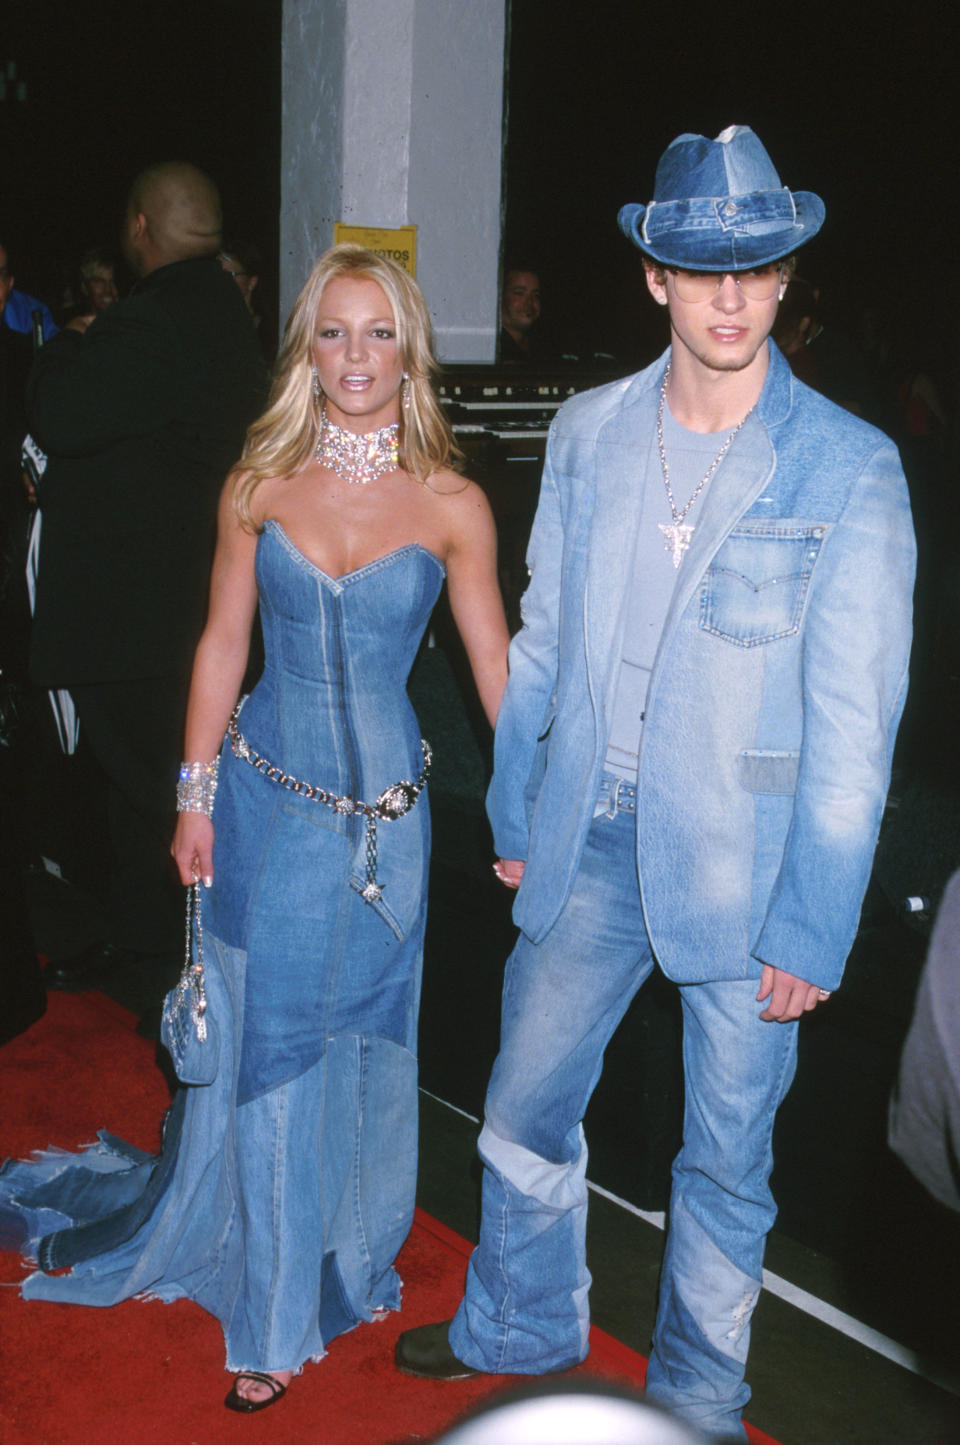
(621, 459)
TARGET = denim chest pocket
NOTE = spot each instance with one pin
(756, 586)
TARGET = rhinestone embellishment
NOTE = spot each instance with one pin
(358, 458)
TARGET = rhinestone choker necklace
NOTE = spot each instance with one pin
(358, 458)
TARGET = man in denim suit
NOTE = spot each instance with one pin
(692, 757)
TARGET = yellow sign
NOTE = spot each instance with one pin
(399, 245)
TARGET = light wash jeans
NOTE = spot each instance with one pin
(526, 1304)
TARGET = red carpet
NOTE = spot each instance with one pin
(154, 1373)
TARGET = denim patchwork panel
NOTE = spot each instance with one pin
(769, 770)
(756, 586)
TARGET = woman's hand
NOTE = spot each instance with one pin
(509, 871)
(192, 848)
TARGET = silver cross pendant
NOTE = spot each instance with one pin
(678, 536)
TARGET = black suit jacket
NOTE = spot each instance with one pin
(16, 354)
(141, 417)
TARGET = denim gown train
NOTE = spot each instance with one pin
(284, 1189)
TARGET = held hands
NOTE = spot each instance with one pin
(509, 871)
(789, 996)
(192, 848)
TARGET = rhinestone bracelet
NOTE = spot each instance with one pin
(197, 787)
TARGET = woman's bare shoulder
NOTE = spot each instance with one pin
(463, 505)
(447, 483)
(263, 498)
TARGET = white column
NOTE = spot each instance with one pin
(392, 116)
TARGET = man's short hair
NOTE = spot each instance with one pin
(526, 267)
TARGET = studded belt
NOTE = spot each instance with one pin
(616, 795)
(392, 803)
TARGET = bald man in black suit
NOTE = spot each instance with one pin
(141, 412)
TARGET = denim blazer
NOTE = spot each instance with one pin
(775, 694)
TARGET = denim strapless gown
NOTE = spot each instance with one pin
(285, 1188)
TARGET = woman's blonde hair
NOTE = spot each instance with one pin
(281, 442)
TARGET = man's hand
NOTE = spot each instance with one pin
(789, 996)
(509, 871)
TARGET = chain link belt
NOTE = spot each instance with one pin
(392, 803)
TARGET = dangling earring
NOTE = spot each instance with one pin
(405, 392)
(315, 386)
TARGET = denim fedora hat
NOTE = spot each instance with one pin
(719, 205)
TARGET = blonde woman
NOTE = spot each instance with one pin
(286, 1187)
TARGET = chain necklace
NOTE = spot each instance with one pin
(358, 457)
(677, 532)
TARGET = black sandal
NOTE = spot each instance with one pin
(247, 1407)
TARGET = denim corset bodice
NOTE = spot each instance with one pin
(332, 707)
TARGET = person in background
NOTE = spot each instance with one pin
(20, 312)
(94, 287)
(587, 1412)
(519, 316)
(795, 327)
(22, 996)
(141, 413)
(822, 356)
(242, 260)
(15, 357)
(925, 1108)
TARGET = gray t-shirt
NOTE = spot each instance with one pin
(689, 455)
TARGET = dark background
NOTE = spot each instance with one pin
(854, 101)
(112, 88)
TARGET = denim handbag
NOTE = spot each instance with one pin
(187, 1031)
